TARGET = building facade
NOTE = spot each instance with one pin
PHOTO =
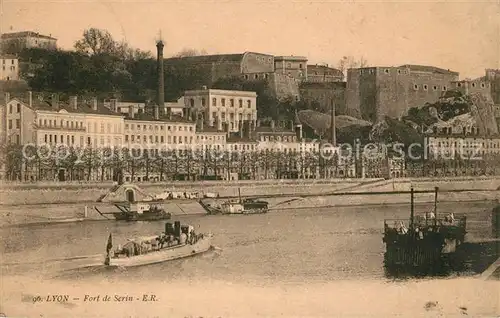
(248, 65)
(15, 42)
(292, 66)
(323, 74)
(9, 68)
(222, 106)
(375, 92)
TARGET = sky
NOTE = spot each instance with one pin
(463, 36)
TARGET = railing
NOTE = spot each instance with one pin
(459, 221)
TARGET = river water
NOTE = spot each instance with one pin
(281, 249)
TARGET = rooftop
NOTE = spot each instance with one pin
(431, 69)
(217, 58)
(22, 34)
(290, 58)
(322, 67)
(149, 117)
(84, 107)
(8, 56)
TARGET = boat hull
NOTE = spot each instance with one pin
(149, 216)
(164, 255)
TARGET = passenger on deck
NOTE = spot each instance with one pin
(183, 238)
(402, 228)
(430, 215)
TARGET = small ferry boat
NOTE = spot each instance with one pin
(246, 206)
(422, 244)
(139, 211)
(176, 242)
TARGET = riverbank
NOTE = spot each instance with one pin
(57, 193)
(61, 213)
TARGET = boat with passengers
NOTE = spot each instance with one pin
(177, 241)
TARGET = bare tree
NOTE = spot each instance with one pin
(190, 52)
(347, 62)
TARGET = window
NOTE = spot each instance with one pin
(266, 76)
(249, 103)
(246, 76)
(126, 126)
(256, 76)
(102, 127)
(18, 107)
(203, 102)
(126, 137)
(300, 65)
(10, 123)
(444, 88)
(132, 137)
(180, 128)
(415, 87)
(240, 102)
(214, 101)
(223, 102)
(231, 101)
(10, 109)
(191, 102)
(289, 65)
(144, 127)
(72, 139)
(459, 84)
(482, 85)
(386, 71)
(425, 87)
(161, 139)
(473, 84)
(435, 87)
(18, 123)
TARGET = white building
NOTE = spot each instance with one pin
(229, 106)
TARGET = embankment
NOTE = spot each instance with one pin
(57, 193)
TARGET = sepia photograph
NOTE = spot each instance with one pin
(228, 158)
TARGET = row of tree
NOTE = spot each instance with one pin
(40, 163)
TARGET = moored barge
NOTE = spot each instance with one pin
(423, 245)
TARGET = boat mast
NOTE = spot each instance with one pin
(435, 204)
(411, 208)
(239, 194)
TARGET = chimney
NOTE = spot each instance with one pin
(333, 138)
(157, 112)
(272, 124)
(131, 111)
(30, 98)
(73, 102)
(7, 97)
(55, 101)
(161, 80)
(298, 131)
(94, 104)
(113, 105)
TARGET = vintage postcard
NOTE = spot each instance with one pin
(249, 158)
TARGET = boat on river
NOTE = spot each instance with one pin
(423, 245)
(133, 204)
(245, 206)
(175, 243)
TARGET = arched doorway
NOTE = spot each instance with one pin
(130, 195)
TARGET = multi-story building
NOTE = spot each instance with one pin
(292, 66)
(322, 73)
(222, 106)
(15, 42)
(375, 92)
(9, 68)
(466, 87)
(248, 65)
(51, 123)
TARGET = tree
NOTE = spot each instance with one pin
(186, 52)
(347, 62)
(96, 41)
